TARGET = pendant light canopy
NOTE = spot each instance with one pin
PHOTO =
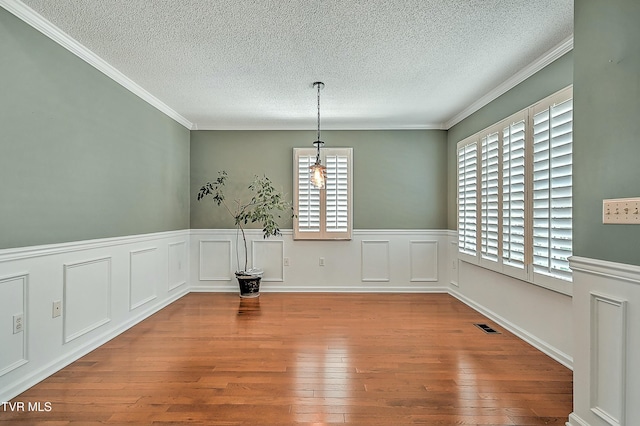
(318, 172)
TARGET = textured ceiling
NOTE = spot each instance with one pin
(250, 64)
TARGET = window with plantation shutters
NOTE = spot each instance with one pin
(467, 198)
(307, 197)
(514, 194)
(323, 213)
(552, 189)
(489, 217)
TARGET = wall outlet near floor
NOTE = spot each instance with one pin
(321, 261)
(621, 211)
(18, 323)
(57, 309)
(285, 261)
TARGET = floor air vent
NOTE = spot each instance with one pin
(486, 329)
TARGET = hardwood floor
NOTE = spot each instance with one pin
(292, 358)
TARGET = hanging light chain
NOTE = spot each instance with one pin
(318, 84)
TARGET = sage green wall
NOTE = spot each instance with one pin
(399, 176)
(550, 79)
(80, 156)
(606, 125)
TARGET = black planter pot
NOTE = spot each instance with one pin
(249, 285)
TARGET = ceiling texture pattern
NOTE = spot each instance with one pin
(250, 64)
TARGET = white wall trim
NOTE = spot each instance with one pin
(384, 261)
(575, 420)
(67, 323)
(255, 259)
(35, 20)
(605, 269)
(556, 52)
(16, 388)
(615, 371)
(352, 289)
(534, 341)
(181, 282)
(202, 276)
(134, 304)
(25, 322)
(413, 265)
(29, 252)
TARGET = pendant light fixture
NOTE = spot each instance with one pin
(318, 172)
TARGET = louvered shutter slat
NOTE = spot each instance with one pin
(308, 197)
(513, 199)
(552, 228)
(467, 198)
(489, 200)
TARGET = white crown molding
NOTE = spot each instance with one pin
(553, 54)
(30, 17)
(345, 127)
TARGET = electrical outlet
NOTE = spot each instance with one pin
(321, 261)
(57, 309)
(18, 323)
(285, 261)
(621, 211)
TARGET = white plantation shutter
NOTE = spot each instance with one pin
(467, 198)
(337, 193)
(326, 213)
(490, 202)
(552, 189)
(513, 194)
(308, 197)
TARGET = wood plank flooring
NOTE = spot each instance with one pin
(321, 359)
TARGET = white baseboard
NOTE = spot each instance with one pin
(11, 390)
(545, 348)
(575, 420)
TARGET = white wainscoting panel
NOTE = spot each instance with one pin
(143, 278)
(13, 301)
(423, 256)
(375, 260)
(87, 297)
(452, 261)
(608, 359)
(606, 305)
(178, 264)
(268, 255)
(215, 260)
(93, 280)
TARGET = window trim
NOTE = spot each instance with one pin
(527, 274)
(323, 233)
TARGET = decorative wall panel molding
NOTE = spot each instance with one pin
(608, 358)
(384, 264)
(92, 279)
(269, 256)
(215, 260)
(606, 303)
(375, 260)
(423, 257)
(177, 264)
(452, 259)
(87, 297)
(13, 301)
(143, 276)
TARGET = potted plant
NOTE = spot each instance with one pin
(262, 204)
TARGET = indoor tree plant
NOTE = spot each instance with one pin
(262, 204)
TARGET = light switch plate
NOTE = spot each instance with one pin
(621, 211)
